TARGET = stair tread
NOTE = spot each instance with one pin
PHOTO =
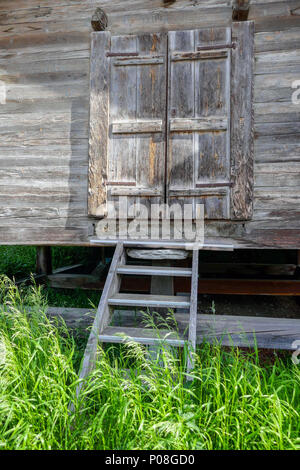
(141, 300)
(154, 270)
(140, 335)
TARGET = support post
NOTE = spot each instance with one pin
(44, 260)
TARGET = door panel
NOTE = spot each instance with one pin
(136, 150)
(199, 119)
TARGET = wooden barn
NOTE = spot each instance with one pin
(160, 101)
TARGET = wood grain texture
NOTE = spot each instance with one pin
(99, 119)
(229, 330)
(44, 65)
(199, 115)
(192, 335)
(242, 122)
(145, 83)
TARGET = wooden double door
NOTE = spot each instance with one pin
(165, 109)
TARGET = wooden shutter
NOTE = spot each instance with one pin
(201, 167)
(128, 132)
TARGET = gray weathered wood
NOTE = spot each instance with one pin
(242, 152)
(155, 270)
(157, 254)
(199, 112)
(102, 317)
(137, 117)
(139, 61)
(210, 244)
(230, 330)
(199, 55)
(74, 281)
(193, 311)
(137, 127)
(99, 113)
(45, 69)
(140, 335)
(145, 301)
(211, 123)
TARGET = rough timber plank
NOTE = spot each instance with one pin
(99, 109)
(243, 331)
(75, 281)
(46, 53)
(199, 137)
(156, 301)
(242, 151)
(269, 333)
(154, 270)
(249, 286)
(102, 317)
(140, 335)
(193, 310)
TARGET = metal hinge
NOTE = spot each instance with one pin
(122, 54)
(219, 46)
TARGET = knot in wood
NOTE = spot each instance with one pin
(99, 20)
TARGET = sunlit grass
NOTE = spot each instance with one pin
(233, 401)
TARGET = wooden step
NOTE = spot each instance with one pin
(113, 334)
(154, 270)
(158, 301)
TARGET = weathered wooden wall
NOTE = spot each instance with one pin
(44, 70)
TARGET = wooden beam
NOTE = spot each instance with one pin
(249, 287)
(43, 260)
(75, 281)
(229, 330)
(248, 269)
(205, 286)
(240, 10)
(41, 278)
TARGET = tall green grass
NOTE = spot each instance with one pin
(232, 403)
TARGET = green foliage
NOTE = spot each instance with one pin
(17, 261)
(231, 403)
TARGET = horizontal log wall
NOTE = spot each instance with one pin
(44, 67)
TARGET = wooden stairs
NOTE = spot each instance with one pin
(111, 297)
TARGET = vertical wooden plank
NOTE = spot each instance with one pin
(199, 88)
(123, 100)
(181, 104)
(193, 310)
(43, 260)
(99, 105)
(138, 94)
(242, 122)
(213, 99)
(151, 105)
